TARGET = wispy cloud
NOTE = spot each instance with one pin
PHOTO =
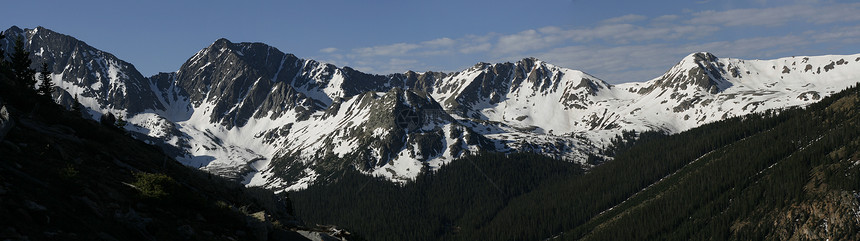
(430, 47)
(615, 33)
(629, 47)
(778, 16)
(474, 48)
(846, 35)
(386, 50)
(440, 42)
(629, 18)
(665, 18)
(528, 40)
(328, 50)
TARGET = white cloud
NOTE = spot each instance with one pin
(748, 17)
(847, 35)
(630, 47)
(425, 48)
(665, 18)
(387, 50)
(522, 41)
(482, 47)
(328, 50)
(440, 42)
(778, 16)
(624, 33)
(550, 30)
(401, 62)
(833, 14)
(629, 18)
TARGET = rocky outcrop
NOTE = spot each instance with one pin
(6, 122)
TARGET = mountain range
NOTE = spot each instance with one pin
(252, 113)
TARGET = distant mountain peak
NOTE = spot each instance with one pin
(697, 71)
(222, 41)
(14, 29)
(530, 60)
(701, 56)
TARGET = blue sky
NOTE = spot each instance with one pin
(617, 41)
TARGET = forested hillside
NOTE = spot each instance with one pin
(449, 203)
(796, 181)
(783, 174)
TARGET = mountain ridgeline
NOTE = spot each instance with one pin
(252, 113)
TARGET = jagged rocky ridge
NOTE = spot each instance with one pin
(256, 114)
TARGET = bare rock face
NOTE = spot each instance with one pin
(238, 79)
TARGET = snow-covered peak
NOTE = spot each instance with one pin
(700, 71)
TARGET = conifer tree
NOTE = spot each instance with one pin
(21, 65)
(47, 86)
(120, 122)
(76, 106)
(108, 119)
(2, 53)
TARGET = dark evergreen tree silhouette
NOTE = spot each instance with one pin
(120, 122)
(76, 106)
(2, 53)
(108, 119)
(21, 65)
(47, 86)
